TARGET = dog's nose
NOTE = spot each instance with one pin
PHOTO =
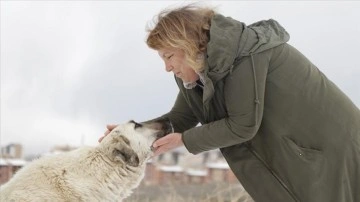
(166, 125)
(163, 125)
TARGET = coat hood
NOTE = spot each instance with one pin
(230, 40)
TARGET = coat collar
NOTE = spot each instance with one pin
(230, 40)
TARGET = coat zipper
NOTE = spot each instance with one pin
(272, 172)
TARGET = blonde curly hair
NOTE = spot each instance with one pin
(186, 28)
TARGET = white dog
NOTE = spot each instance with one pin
(108, 172)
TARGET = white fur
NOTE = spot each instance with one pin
(98, 173)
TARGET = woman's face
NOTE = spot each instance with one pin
(175, 62)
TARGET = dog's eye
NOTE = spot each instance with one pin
(136, 125)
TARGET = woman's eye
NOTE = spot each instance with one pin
(168, 57)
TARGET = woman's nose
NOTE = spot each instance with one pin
(168, 67)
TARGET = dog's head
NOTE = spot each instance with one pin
(131, 142)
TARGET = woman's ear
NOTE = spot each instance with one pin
(200, 57)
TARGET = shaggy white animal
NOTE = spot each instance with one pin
(107, 172)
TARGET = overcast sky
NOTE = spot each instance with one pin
(69, 68)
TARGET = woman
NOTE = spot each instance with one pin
(287, 132)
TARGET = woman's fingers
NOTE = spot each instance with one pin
(161, 142)
(107, 132)
(109, 128)
(167, 143)
(159, 151)
(101, 138)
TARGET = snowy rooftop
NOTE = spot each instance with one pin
(218, 165)
(12, 162)
(174, 168)
(195, 172)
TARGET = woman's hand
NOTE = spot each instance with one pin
(167, 143)
(109, 129)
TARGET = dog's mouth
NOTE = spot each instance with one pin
(165, 131)
(163, 127)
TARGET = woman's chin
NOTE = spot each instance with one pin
(178, 75)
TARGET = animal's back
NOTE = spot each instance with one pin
(42, 179)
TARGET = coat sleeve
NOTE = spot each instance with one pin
(181, 116)
(241, 88)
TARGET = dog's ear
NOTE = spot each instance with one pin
(126, 154)
(122, 151)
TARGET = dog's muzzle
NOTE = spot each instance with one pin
(162, 125)
(165, 127)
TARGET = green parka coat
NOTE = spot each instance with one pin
(287, 132)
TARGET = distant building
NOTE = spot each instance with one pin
(8, 167)
(12, 151)
(10, 161)
(180, 166)
(58, 149)
(62, 148)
